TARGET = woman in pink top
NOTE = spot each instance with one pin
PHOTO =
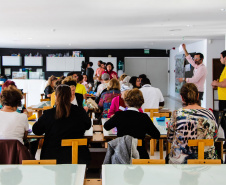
(118, 103)
(110, 71)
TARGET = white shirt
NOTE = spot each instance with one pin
(74, 102)
(133, 108)
(152, 96)
(13, 125)
(101, 87)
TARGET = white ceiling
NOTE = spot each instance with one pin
(103, 24)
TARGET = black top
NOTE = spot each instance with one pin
(48, 90)
(90, 73)
(79, 98)
(135, 124)
(72, 127)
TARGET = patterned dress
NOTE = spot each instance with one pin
(106, 99)
(186, 124)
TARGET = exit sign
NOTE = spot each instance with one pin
(146, 51)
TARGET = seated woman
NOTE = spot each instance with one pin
(13, 125)
(21, 108)
(135, 81)
(190, 122)
(76, 98)
(50, 86)
(65, 121)
(86, 83)
(132, 122)
(121, 78)
(118, 103)
(106, 97)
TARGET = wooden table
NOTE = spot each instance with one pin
(45, 105)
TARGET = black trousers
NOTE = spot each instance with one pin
(222, 107)
(200, 96)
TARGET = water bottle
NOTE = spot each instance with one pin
(120, 65)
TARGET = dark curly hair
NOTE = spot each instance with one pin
(134, 98)
(11, 96)
(190, 94)
(112, 66)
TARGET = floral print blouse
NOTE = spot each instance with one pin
(106, 99)
(186, 124)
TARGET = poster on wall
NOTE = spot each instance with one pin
(179, 71)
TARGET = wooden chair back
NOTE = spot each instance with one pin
(201, 143)
(151, 111)
(204, 161)
(161, 114)
(156, 113)
(33, 162)
(43, 98)
(148, 161)
(74, 143)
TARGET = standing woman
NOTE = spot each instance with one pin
(106, 97)
(50, 86)
(109, 70)
(190, 122)
(65, 121)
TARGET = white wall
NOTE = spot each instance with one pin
(210, 49)
(214, 48)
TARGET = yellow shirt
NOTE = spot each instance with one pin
(222, 90)
(53, 99)
(80, 89)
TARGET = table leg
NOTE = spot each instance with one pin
(168, 147)
(161, 148)
(39, 113)
(152, 147)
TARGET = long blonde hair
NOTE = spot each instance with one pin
(113, 84)
(51, 78)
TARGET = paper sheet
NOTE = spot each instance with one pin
(180, 48)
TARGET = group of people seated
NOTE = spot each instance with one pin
(123, 101)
